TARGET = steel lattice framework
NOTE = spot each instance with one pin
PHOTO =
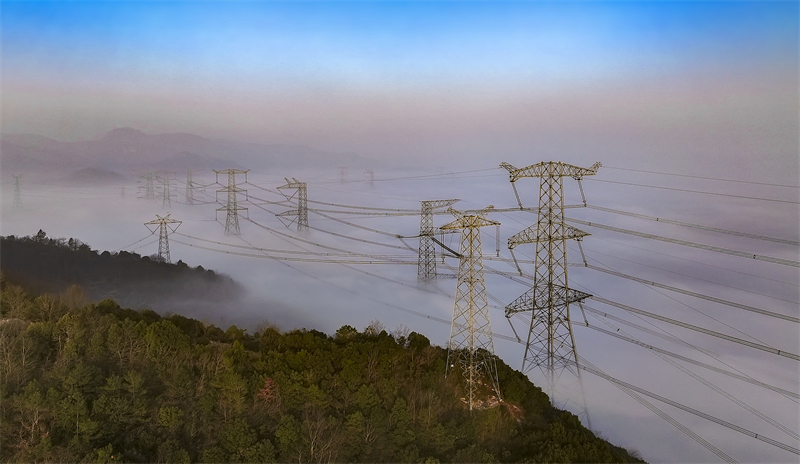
(165, 227)
(471, 332)
(232, 208)
(550, 344)
(166, 190)
(190, 186)
(302, 203)
(426, 261)
(149, 189)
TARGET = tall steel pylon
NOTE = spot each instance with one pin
(166, 190)
(165, 227)
(17, 192)
(551, 343)
(149, 188)
(190, 186)
(471, 332)
(302, 203)
(426, 261)
(342, 174)
(231, 207)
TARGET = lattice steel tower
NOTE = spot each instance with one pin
(165, 227)
(426, 260)
(232, 208)
(302, 203)
(471, 331)
(551, 344)
(190, 186)
(166, 190)
(149, 189)
(17, 192)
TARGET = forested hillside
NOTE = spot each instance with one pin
(45, 264)
(93, 382)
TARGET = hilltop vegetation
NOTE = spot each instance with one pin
(51, 265)
(96, 382)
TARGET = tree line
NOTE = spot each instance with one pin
(51, 265)
(97, 382)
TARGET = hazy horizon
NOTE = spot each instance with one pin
(706, 92)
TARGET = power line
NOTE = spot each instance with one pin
(698, 329)
(650, 250)
(134, 243)
(291, 258)
(734, 375)
(723, 393)
(697, 295)
(696, 310)
(697, 191)
(703, 177)
(742, 254)
(428, 176)
(696, 226)
(308, 253)
(599, 373)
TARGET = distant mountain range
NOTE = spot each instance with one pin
(127, 148)
(94, 176)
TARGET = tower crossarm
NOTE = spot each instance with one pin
(292, 184)
(436, 204)
(231, 171)
(535, 234)
(538, 298)
(464, 221)
(163, 220)
(438, 230)
(291, 212)
(549, 169)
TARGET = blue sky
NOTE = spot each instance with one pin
(456, 78)
(386, 41)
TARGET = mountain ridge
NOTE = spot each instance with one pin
(130, 148)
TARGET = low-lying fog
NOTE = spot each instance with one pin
(325, 296)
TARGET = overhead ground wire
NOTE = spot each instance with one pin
(695, 191)
(702, 177)
(769, 259)
(695, 226)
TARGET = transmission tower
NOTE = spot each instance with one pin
(232, 208)
(426, 261)
(17, 192)
(471, 331)
(370, 176)
(342, 174)
(122, 192)
(190, 186)
(302, 203)
(149, 189)
(166, 190)
(165, 227)
(551, 343)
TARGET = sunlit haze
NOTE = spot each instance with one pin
(691, 107)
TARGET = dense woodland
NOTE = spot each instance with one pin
(94, 382)
(51, 265)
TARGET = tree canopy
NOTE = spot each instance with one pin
(97, 382)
